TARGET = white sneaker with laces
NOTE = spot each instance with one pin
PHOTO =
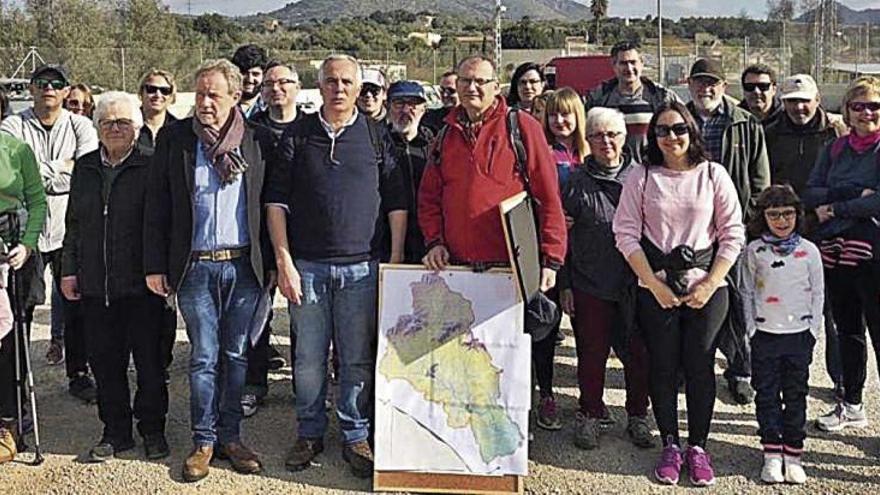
(843, 416)
(772, 470)
(794, 470)
(249, 405)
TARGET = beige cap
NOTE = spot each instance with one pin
(799, 87)
(374, 76)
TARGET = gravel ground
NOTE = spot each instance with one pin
(836, 463)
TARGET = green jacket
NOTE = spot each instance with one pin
(21, 187)
(743, 155)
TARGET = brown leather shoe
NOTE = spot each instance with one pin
(359, 456)
(8, 447)
(303, 451)
(243, 459)
(198, 463)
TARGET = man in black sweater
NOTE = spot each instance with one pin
(334, 181)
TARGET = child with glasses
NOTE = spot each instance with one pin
(783, 294)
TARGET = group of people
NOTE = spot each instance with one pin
(666, 230)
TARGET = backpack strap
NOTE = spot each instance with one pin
(376, 140)
(437, 144)
(519, 148)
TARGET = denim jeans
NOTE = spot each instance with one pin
(217, 301)
(340, 297)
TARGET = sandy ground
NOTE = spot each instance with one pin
(837, 463)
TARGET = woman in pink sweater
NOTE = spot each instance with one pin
(679, 226)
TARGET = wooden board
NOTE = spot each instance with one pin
(521, 238)
(400, 481)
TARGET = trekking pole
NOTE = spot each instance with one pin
(23, 349)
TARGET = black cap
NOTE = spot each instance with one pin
(48, 68)
(707, 67)
(542, 316)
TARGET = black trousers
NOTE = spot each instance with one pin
(128, 327)
(739, 360)
(75, 352)
(855, 298)
(544, 352)
(780, 376)
(685, 339)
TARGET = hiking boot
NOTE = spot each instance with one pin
(668, 467)
(243, 459)
(771, 472)
(359, 456)
(197, 465)
(276, 360)
(55, 353)
(843, 416)
(741, 390)
(548, 417)
(155, 446)
(303, 452)
(639, 432)
(794, 470)
(8, 447)
(700, 466)
(586, 431)
(249, 405)
(83, 388)
(107, 449)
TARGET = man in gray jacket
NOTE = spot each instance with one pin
(57, 138)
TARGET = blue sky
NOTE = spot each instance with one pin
(631, 8)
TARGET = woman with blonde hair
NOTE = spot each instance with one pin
(565, 127)
(157, 92)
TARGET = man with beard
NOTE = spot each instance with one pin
(412, 142)
(251, 61)
(735, 139)
(759, 93)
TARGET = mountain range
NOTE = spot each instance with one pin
(847, 16)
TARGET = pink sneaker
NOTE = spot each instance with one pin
(700, 466)
(668, 468)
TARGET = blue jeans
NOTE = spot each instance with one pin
(340, 297)
(217, 301)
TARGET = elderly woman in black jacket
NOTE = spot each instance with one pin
(102, 265)
(595, 279)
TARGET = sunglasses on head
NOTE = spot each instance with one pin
(860, 106)
(666, 130)
(763, 86)
(151, 89)
(47, 83)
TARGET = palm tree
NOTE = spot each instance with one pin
(599, 9)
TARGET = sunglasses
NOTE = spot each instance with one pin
(53, 83)
(666, 130)
(151, 90)
(776, 215)
(371, 90)
(763, 86)
(447, 91)
(121, 124)
(860, 106)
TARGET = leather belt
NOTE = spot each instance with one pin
(220, 254)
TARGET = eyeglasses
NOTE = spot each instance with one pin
(599, 136)
(151, 89)
(763, 86)
(268, 83)
(447, 91)
(121, 124)
(55, 84)
(370, 89)
(776, 215)
(413, 102)
(666, 130)
(860, 106)
(479, 81)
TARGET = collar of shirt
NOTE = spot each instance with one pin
(105, 160)
(332, 133)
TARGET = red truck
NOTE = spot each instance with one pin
(580, 72)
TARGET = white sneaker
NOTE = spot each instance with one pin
(249, 405)
(794, 470)
(843, 416)
(772, 470)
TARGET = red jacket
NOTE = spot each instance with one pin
(458, 200)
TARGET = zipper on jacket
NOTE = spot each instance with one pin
(106, 233)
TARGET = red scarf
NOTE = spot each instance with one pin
(861, 144)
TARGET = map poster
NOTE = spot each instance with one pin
(453, 373)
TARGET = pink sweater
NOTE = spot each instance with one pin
(693, 207)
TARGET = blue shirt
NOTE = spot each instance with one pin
(219, 211)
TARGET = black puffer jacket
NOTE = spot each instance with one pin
(594, 265)
(103, 242)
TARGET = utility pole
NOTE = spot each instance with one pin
(499, 10)
(661, 76)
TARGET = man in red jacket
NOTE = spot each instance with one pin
(459, 196)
